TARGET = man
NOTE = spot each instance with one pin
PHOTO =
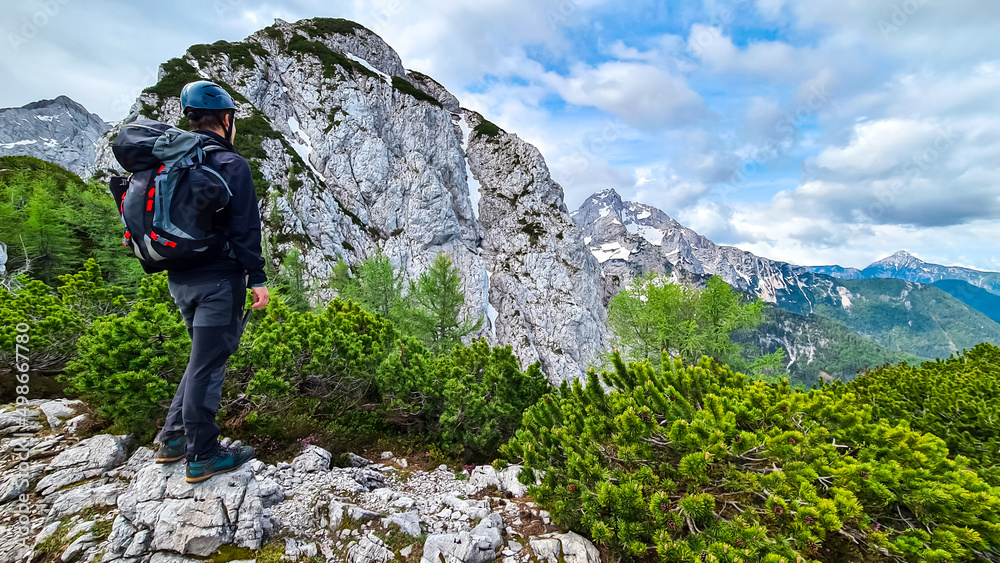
(211, 297)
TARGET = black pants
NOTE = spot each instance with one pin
(213, 312)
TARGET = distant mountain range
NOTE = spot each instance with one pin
(891, 319)
(60, 131)
(904, 266)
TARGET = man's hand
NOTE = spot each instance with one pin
(260, 297)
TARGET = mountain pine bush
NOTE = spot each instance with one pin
(698, 463)
(468, 401)
(957, 399)
(128, 366)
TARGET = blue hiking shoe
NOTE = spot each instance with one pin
(172, 450)
(224, 461)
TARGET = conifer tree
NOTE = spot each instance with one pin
(654, 315)
(375, 286)
(436, 300)
(290, 281)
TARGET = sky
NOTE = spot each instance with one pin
(809, 131)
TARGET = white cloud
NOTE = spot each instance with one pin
(643, 95)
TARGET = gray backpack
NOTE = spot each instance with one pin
(170, 203)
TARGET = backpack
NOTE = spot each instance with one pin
(169, 203)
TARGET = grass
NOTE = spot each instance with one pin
(241, 55)
(177, 73)
(329, 58)
(250, 134)
(273, 32)
(51, 547)
(334, 26)
(404, 86)
(273, 552)
(487, 128)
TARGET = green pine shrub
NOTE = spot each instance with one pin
(957, 399)
(700, 463)
(128, 366)
(55, 317)
(469, 401)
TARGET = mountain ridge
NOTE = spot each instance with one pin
(630, 239)
(59, 130)
(905, 266)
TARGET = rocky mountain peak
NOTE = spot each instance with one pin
(59, 130)
(630, 238)
(899, 259)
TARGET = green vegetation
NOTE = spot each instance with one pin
(334, 26)
(129, 365)
(487, 128)
(52, 221)
(333, 376)
(957, 399)
(435, 302)
(329, 58)
(653, 316)
(817, 347)
(902, 316)
(698, 463)
(375, 285)
(241, 55)
(430, 311)
(403, 85)
(250, 135)
(978, 298)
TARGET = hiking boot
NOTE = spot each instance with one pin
(171, 451)
(224, 461)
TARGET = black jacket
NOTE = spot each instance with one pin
(241, 220)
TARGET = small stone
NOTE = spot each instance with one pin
(358, 461)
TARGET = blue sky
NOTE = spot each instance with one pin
(812, 131)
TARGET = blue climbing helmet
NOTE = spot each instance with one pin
(205, 95)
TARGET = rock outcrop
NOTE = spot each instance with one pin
(60, 131)
(93, 501)
(544, 282)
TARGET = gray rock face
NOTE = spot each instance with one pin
(336, 513)
(57, 411)
(476, 546)
(190, 519)
(313, 459)
(60, 131)
(3, 258)
(88, 459)
(544, 281)
(435, 90)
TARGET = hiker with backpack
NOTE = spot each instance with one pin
(190, 209)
